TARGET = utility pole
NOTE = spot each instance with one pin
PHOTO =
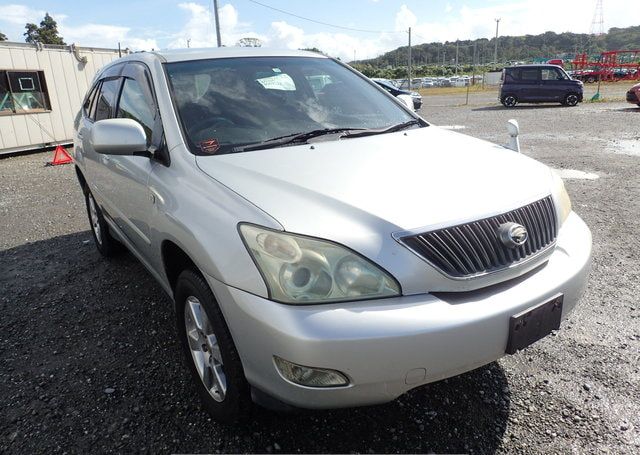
(409, 58)
(217, 19)
(473, 78)
(495, 52)
(457, 48)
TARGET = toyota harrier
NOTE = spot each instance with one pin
(323, 245)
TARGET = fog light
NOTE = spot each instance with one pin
(308, 376)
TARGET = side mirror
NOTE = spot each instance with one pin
(407, 100)
(514, 130)
(118, 136)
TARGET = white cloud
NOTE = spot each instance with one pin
(14, 17)
(20, 14)
(100, 35)
(405, 18)
(200, 29)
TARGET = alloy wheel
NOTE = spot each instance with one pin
(571, 100)
(95, 220)
(510, 101)
(205, 350)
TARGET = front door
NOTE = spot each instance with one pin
(131, 202)
(553, 84)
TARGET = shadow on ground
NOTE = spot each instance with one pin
(89, 362)
(519, 107)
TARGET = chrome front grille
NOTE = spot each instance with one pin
(475, 248)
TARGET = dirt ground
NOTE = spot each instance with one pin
(89, 361)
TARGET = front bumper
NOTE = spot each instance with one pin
(632, 97)
(387, 347)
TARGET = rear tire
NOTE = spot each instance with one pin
(105, 243)
(509, 100)
(571, 100)
(209, 350)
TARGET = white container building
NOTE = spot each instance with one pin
(41, 90)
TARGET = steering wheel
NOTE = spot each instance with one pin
(210, 122)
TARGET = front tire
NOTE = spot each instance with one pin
(209, 350)
(509, 101)
(105, 243)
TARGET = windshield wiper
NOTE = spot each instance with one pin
(291, 139)
(389, 129)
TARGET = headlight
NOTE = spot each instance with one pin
(300, 269)
(561, 197)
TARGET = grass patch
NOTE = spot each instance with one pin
(457, 90)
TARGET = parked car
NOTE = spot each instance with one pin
(323, 246)
(633, 95)
(393, 90)
(539, 84)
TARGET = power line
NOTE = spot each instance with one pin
(323, 23)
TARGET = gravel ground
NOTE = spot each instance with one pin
(88, 361)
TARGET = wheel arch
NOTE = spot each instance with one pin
(174, 261)
(82, 180)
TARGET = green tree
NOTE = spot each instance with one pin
(47, 33)
(3, 37)
(31, 35)
(311, 49)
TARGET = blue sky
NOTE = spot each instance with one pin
(170, 23)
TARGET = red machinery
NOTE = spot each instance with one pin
(609, 66)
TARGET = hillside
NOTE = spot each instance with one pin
(511, 48)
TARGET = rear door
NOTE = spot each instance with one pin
(99, 105)
(529, 84)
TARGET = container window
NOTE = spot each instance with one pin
(23, 92)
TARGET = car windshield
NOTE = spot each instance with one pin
(225, 104)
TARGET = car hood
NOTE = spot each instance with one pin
(416, 179)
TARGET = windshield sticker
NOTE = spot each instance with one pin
(209, 146)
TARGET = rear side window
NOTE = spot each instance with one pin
(86, 107)
(529, 74)
(521, 74)
(107, 99)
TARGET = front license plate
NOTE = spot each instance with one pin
(532, 324)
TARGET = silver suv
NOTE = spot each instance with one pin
(324, 246)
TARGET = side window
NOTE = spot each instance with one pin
(86, 107)
(511, 74)
(550, 74)
(107, 99)
(561, 75)
(136, 106)
(529, 74)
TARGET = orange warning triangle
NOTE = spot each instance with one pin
(61, 156)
